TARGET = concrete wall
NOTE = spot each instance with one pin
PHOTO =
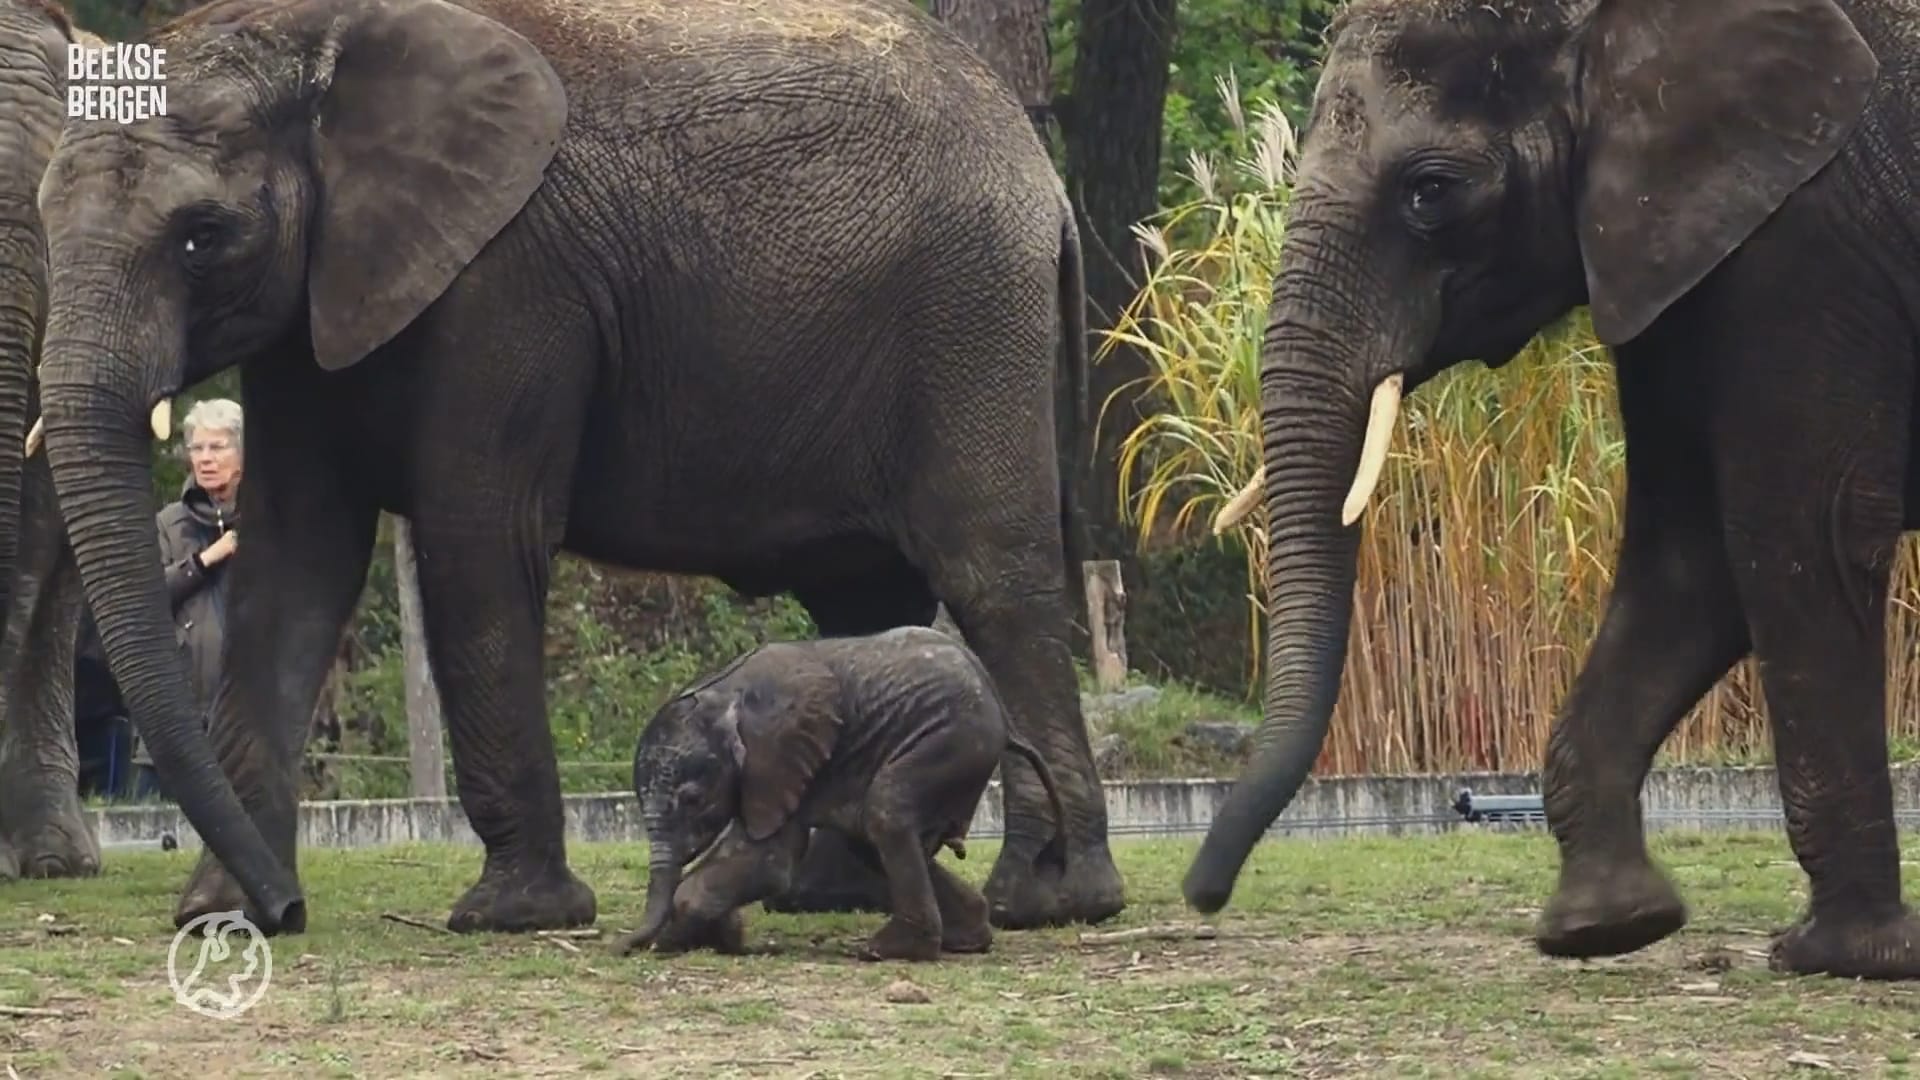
(1688, 798)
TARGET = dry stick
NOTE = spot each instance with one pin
(1138, 933)
(394, 916)
(24, 1010)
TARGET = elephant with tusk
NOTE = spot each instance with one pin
(1732, 188)
(43, 831)
(668, 286)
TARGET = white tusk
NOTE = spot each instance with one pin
(1381, 414)
(36, 434)
(162, 419)
(1242, 501)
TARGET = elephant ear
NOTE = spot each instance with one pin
(434, 125)
(1701, 117)
(783, 742)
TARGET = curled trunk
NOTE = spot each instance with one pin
(95, 401)
(1323, 359)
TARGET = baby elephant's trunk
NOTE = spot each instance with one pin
(1057, 847)
(663, 877)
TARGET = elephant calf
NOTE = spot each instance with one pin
(888, 739)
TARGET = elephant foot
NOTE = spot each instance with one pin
(832, 876)
(212, 890)
(62, 847)
(972, 938)
(1027, 890)
(1884, 947)
(9, 865)
(964, 926)
(726, 935)
(900, 940)
(509, 899)
(1606, 909)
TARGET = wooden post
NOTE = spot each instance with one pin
(425, 748)
(1107, 622)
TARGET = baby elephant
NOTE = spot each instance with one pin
(889, 739)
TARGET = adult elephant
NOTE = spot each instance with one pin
(42, 830)
(1730, 186)
(760, 289)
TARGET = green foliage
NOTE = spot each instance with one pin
(618, 647)
(1270, 49)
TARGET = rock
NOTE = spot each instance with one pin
(1223, 737)
(1109, 751)
(902, 992)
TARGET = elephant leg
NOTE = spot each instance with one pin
(308, 539)
(832, 875)
(1006, 591)
(483, 589)
(1812, 551)
(1673, 627)
(964, 923)
(913, 930)
(40, 813)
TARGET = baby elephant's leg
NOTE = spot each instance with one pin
(899, 839)
(738, 872)
(964, 927)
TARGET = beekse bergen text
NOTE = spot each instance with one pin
(123, 83)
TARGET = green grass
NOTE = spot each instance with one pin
(1379, 956)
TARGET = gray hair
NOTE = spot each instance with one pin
(213, 414)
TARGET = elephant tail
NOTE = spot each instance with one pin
(1056, 849)
(1073, 432)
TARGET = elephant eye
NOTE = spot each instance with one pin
(202, 239)
(1427, 191)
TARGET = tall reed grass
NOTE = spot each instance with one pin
(1489, 547)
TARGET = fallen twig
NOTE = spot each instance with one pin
(579, 932)
(1171, 932)
(565, 944)
(26, 1010)
(394, 916)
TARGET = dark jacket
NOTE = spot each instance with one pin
(198, 593)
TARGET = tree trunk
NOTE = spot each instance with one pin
(1112, 121)
(425, 747)
(1011, 35)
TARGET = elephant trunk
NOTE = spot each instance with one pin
(98, 382)
(1330, 386)
(30, 99)
(23, 299)
(663, 878)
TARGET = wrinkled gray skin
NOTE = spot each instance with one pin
(1730, 185)
(888, 740)
(42, 830)
(766, 290)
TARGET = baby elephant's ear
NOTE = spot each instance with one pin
(787, 738)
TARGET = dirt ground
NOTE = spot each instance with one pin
(1338, 958)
